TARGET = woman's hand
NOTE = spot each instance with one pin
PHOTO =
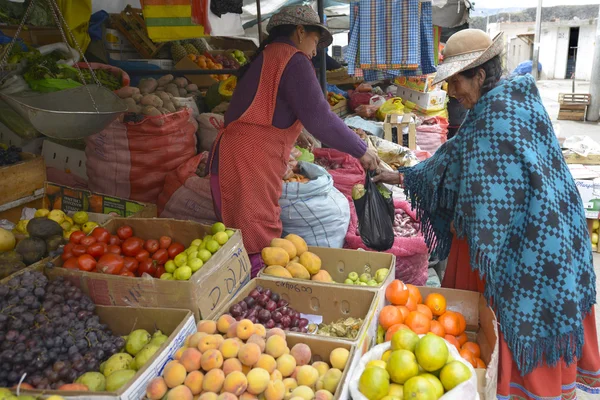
(370, 161)
(306, 141)
(389, 177)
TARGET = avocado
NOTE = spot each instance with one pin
(43, 228)
(32, 249)
(54, 242)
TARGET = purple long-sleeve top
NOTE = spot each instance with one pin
(299, 98)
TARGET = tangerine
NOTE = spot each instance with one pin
(423, 309)
(469, 357)
(405, 311)
(411, 303)
(437, 329)
(415, 292)
(397, 293)
(480, 363)
(451, 322)
(473, 348)
(436, 303)
(393, 329)
(462, 322)
(452, 340)
(418, 323)
(462, 339)
(389, 316)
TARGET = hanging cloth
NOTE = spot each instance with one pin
(168, 20)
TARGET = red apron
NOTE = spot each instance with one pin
(253, 157)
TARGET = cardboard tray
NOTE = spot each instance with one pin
(20, 180)
(207, 290)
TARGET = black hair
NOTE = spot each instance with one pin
(281, 31)
(493, 73)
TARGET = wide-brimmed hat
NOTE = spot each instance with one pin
(467, 49)
(301, 15)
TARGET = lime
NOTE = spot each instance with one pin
(372, 282)
(167, 276)
(88, 227)
(212, 246)
(42, 213)
(207, 239)
(180, 259)
(193, 255)
(191, 249)
(376, 364)
(80, 217)
(218, 227)
(202, 246)
(197, 242)
(221, 238)
(229, 232)
(170, 266)
(183, 273)
(204, 255)
(195, 264)
(365, 277)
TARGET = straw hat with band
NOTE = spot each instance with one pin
(467, 49)
(301, 15)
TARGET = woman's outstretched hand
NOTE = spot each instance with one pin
(370, 161)
(389, 177)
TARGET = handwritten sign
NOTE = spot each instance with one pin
(294, 287)
(236, 274)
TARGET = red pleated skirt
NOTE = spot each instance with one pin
(543, 383)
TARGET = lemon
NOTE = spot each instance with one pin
(76, 227)
(431, 352)
(167, 277)
(170, 266)
(180, 259)
(204, 255)
(386, 356)
(183, 273)
(196, 242)
(212, 246)
(453, 374)
(218, 227)
(69, 220)
(66, 226)
(221, 238)
(88, 227)
(374, 383)
(56, 215)
(229, 232)
(191, 249)
(195, 264)
(80, 217)
(419, 388)
(41, 213)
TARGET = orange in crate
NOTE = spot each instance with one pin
(397, 293)
(468, 355)
(415, 292)
(480, 363)
(411, 304)
(405, 311)
(462, 339)
(453, 322)
(452, 340)
(436, 303)
(473, 348)
(437, 329)
(393, 329)
(419, 323)
(389, 316)
(423, 309)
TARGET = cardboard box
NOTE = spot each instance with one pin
(430, 101)
(65, 158)
(400, 129)
(207, 290)
(20, 180)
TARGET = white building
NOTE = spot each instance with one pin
(566, 47)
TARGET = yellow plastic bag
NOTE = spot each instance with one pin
(392, 106)
(77, 15)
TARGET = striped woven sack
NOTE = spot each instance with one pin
(168, 20)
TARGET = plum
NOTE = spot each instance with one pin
(271, 305)
(270, 324)
(275, 297)
(235, 310)
(264, 316)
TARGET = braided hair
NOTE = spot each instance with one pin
(493, 72)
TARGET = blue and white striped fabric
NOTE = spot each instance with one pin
(352, 55)
(428, 49)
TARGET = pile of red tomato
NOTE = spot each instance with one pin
(120, 254)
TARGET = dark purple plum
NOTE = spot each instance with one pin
(275, 297)
(302, 322)
(282, 303)
(286, 321)
(264, 316)
(254, 294)
(304, 329)
(250, 302)
(278, 325)
(259, 289)
(243, 305)
(294, 322)
(268, 292)
(235, 310)
(270, 324)
(253, 319)
(271, 305)
(277, 315)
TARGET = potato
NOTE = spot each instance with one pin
(147, 86)
(182, 92)
(169, 106)
(164, 111)
(172, 89)
(180, 82)
(191, 87)
(190, 95)
(164, 96)
(151, 111)
(164, 80)
(137, 97)
(159, 89)
(127, 91)
(152, 100)
(131, 104)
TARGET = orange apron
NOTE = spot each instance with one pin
(253, 157)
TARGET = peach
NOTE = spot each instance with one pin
(211, 359)
(190, 359)
(303, 392)
(245, 329)
(227, 396)
(208, 396)
(276, 346)
(321, 366)
(219, 339)
(232, 331)
(301, 352)
(246, 369)
(339, 358)
(169, 365)
(179, 352)
(258, 340)
(248, 396)
(258, 379)
(323, 395)
(174, 375)
(213, 381)
(290, 384)
(249, 354)
(331, 379)
(195, 339)
(156, 389)
(320, 383)
(307, 376)
(295, 373)
(186, 342)
(235, 383)
(224, 322)
(260, 330)
(275, 331)
(208, 342)
(230, 348)
(275, 390)
(276, 375)
(267, 363)
(286, 364)
(180, 393)
(194, 381)
(207, 326)
(230, 365)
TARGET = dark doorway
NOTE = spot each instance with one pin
(572, 57)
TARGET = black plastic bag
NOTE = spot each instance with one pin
(375, 217)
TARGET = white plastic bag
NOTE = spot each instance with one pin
(465, 391)
(208, 128)
(377, 101)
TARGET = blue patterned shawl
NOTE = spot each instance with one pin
(504, 183)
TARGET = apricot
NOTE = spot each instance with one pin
(275, 390)
(212, 359)
(303, 392)
(249, 354)
(323, 395)
(260, 330)
(195, 339)
(290, 384)
(275, 331)
(224, 322)
(267, 363)
(207, 326)
(227, 396)
(301, 352)
(180, 393)
(339, 358)
(321, 366)
(179, 352)
(258, 379)
(248, 396)
(245, 329)
(213, 381)
(208, 342)
(194, 382)
(246, 369)
(331, 379)
(219, 339)
(174, 375)
(190, 359)
(276, 375)
(156, 389)
(295, 373)
(235, 383)
(286, 364)
(232, 331)
(208, 396)
(258, 340)
(307, 376)
(276, 346)
(230, 365)
(230, 348)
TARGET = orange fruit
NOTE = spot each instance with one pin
(405, 311)
(415, 292)
(423, 309)
(397, 293)
(469, 356)
(480, 364)
(418, 323)
(462, 322)
(437, 329)
(393, 329)
(451, 322)
(411, 303)
(462, 339)
(452, 340)
(389, 316)
(473, 348)
(436, 303)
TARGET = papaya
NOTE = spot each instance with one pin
(297, 270)
(277, 270)
(227, 87)
(299, 243)
(275, 256)
(286, 245)
(311, 262)
(322, 276)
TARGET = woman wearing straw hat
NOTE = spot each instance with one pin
(498, 200)
(277, 94)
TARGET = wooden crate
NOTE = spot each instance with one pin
(341, 108)
(35, 35)
(130, 22)
(573, 106)
(22, 180)
(393, 128)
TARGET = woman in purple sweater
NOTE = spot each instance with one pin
(277, 94)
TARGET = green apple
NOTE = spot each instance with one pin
(180, 259)
(170, 266)
(365, 277)
(353, 276)
(381, 274)
(183, 273)
(372, 283)
(349, 281)
(195, 264)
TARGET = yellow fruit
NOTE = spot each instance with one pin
(376, 364)
(435, 383)
(453, 374)
(404, 339)
(419, 388)
(7, 240)
(386, 356)
(374, 383)
(339, 358)
(402, 366)
(277, 270)
(275, 256)
(42, 212)
(299, 243)
(88, 227)
(396, 390)
(286, 245)
(297, 270)
(322, 276)
(431, 352)
(69, 220)
(66, 225)
(22, 226)
(311, 262)
(57, 215)
(80, 217)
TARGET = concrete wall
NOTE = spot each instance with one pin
(518, 51)
(585, 53)
(548, 41)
